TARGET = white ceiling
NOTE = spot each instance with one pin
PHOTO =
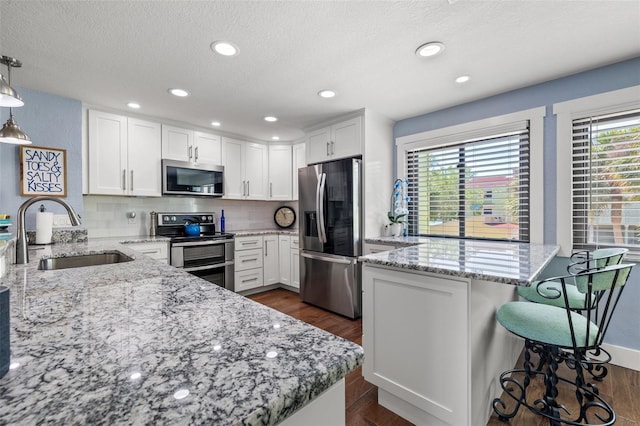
(108, 53)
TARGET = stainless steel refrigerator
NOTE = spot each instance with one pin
(330, 200)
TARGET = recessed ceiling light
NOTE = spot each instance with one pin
(326, 93)
(215, 123)
(430, 49)
(270, 118)
(133, 105)
(463, 79)
(275, 138)
(179, 92)
(225, 48)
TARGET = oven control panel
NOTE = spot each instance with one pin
(173, 219)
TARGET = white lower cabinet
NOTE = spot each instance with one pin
(271, 259)
(266, 260)
(443, 367)
(284, 245)
(295, 262)
(155, 250)
(248, 263)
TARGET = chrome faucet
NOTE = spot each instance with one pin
(22, 254)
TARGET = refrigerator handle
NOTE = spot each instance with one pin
(326, 259)
(321, 228)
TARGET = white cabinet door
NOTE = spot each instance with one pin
(295, 267)
(177, 143)
(284, 243)
(299, 160)
(144, 152)
(318, 145)
(256, 164)
(346, 138)
(207, 148)
(280, 175)
(392, 301)
(232, 160)
(107, 153)
(271, 260)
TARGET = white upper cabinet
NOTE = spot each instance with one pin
(299, 160)
(207, 148)
(280, 172)
(245, 170)
(124, 155)
(188, 145)
(177, 143)
(340, 140)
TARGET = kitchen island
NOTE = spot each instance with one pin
(434, 348)
(141, 342)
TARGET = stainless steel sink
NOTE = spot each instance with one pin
(104, 258)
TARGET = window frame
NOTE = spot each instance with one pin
(451, 135)
(566, 112)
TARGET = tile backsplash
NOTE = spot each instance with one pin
(107, 216)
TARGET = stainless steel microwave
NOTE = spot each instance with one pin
(185, 178)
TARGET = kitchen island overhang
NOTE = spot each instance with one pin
(142, 342)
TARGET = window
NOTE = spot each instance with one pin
(586, 200)
(606, 180)
(472, 189)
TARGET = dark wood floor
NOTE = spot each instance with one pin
(362, 397)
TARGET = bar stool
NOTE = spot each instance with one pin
(562, 335)
(550, 293)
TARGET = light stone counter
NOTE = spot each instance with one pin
(252, 232)
(497, 261)
(118, 344)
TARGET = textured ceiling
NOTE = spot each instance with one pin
(107, 53)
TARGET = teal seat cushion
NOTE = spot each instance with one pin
(577, 300)
(545, 323)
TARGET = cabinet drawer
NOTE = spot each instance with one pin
(248, 259)
(245, 280)
(244, 243)
(158, 251)
(295, 242)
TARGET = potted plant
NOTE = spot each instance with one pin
(397, 221)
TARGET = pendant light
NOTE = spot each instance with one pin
(11, 132)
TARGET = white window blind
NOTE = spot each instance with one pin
(606, 181)
(472, 189)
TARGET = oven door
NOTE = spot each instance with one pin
(209, 260)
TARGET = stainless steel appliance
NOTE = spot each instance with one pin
(330, 199)
(208, 255)
(185, 178)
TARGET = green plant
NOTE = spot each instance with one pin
(396, 218)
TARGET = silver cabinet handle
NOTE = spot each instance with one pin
(248, 189)
(244, 188)
(270, 189)
(332, 150)
(124, 179)
(196, 153)
(328, 149)
(190, 151)
(131, 186)
(266, 251)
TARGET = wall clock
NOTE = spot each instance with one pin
(284, 217)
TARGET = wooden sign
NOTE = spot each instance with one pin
(43, 171)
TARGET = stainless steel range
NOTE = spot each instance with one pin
(208, 255)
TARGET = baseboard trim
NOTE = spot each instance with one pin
(623, 357)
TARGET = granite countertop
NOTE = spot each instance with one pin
(252, 232)
(498, 261)
(119, 344)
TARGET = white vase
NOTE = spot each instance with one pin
(396, 229)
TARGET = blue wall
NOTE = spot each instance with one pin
(625, 331)
(49, 121)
